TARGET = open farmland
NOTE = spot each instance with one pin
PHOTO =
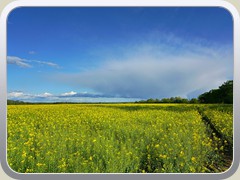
(118, 138)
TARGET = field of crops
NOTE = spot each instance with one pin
(117, 138)
(219, 117)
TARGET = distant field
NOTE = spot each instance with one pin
(119, 138)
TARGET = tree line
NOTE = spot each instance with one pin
(14, 102)
(223, 94)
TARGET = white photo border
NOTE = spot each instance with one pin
(121, 3)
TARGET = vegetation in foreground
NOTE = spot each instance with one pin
(117, 138)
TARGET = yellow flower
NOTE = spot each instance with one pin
(24, 154)
(193, 159)
(39, 164)
(181, 153)
(163, 156)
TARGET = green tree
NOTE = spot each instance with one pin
(194, 101)
(224, 94)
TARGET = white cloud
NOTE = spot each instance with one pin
(69, 93)
(156, 70)
(28, 63)
(18, 95)
(15, 94)
(45, 95)
(18, 61)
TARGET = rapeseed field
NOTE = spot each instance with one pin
(115, 138)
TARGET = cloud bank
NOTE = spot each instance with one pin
(171, 67)
(65, 97)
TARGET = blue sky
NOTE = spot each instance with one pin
(117, 54)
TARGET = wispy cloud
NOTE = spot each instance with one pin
(18, 61)
(31, 52)
(26, 63)
(46, 63)
(170, 67)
